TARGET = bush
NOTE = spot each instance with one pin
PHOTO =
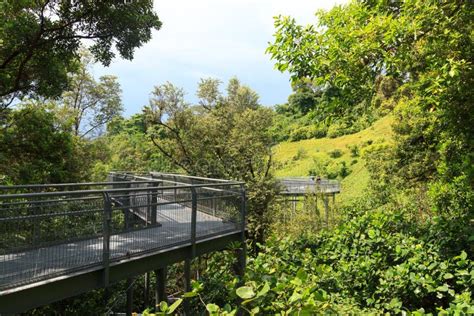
(336, 153)
(299, 133)
(337, 170)
(337, 129)
(354, 149)
(300, 154)
(374, 262)
(320, 164)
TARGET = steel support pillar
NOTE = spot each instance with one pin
(160, 286)
(187, 285)
(129, 297)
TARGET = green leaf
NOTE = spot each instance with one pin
(212, 308)
(174, 306)
(443, 288)
(189, 294)
(245, 292)
(295, 296)
(371, 233)
(447, 276)
(296, 281)
(301, 274)
(264, 290)
(163, 306)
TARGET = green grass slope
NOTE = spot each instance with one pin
(298, 158)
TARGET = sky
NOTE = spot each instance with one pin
(210, 38)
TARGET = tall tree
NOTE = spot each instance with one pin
(226, 136)
(40, 39)
(88, 104)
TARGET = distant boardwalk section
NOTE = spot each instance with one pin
(307, 185)
(61, 240)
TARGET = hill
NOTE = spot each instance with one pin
(299, 158)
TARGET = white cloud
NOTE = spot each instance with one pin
(218, 38)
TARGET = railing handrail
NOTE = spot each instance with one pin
(194, 177)
(88, 192)
(75, 184)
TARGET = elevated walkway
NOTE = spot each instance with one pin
(299, 186)
(57, 241)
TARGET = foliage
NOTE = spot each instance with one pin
(39, 40)
(36, 148)
(379, 260)
(355, 184)
(300, 154)
(336, 153)
(225, 136)
(412, 56)
(87, 104)
(354, 149)
(129, 148)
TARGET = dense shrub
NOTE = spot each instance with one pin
(375, 262)
(300, 154)
(337, 129)
(337, 169)
(354, 149)
(336, 153)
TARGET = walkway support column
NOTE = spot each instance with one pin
(146, 295)
(326, 208)
(129, 297)
(242, 251)
(187, 285)
(160, 288)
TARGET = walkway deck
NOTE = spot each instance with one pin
(30, 266)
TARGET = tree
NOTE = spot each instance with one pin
(40, 40)
(89, 104)
(36, 148)
(226, 136)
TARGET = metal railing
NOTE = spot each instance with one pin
(305, 185)
(52, 230)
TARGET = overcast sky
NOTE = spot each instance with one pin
(210, 38)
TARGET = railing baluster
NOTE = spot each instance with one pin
(153, 200)
(193, 221)
(107, 218)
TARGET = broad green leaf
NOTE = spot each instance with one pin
(174, 306)
(189, 294)
(264, 290)
(245, 292)
(163, 306)
(212, 308)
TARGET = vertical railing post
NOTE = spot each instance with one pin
(126, 207)
(107, 218)
(175, 189)
(152, 198)
(193, 221)
(242, 253)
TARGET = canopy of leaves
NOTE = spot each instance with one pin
(36, 148)
(39, 40)
(88, 105)
(225, 136)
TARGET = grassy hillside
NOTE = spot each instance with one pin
(298, 158)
